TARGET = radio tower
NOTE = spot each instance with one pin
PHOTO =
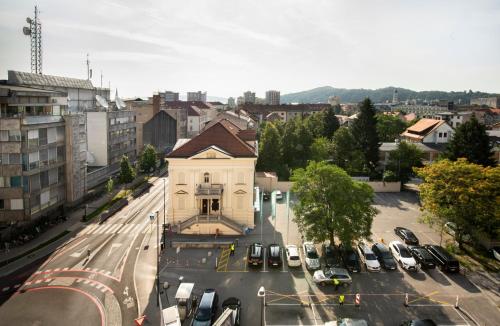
(34, 31)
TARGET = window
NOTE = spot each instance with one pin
(52, 155)
(42, 133)
(2, 204)
(206, 177)
(44, 197)
(44, 157)
(51, 135)
(14, 135)
(16, 204)
(60, 134)
(4, 135)
(15, 181)
(33, 160)
(44, 179)
(2, 182)
(33, 137)
(14, 158)
(445, 134)
(4, 159)
(53, 176)
(35, 182)
(440, 135)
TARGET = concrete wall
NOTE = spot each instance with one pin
(97, 137)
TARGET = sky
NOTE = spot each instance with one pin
(226, 47)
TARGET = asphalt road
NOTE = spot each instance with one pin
(293, 299)
(71, 288)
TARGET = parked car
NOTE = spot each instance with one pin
(368, 258)
(384, 256)
(451, 229)
(495, 252)
(422, 257)
(419, 322)
(255, 254)
(347, 322)
(292, 256)
(323, 277)
(406, 235)
(350, 258)
(207, 309)
(274, 255)
(443, 258)
(279, 195)
(403, 256)
(331, 255)
(235, 305)
(311, 256)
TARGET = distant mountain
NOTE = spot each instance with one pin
(321, 94)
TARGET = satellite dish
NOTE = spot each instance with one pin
(102, 101)
(28, 20)
(119, 103)
(26, 31)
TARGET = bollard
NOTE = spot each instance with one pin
(357, 301)
(203, 260)
(406, 300)
(216, 262)
(456, 303)
(209, 254)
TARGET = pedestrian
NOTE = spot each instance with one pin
(336, 283)
(232, 249)
(341, 300)
(88, 254)
(194, 304)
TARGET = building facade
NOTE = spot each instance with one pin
(197, 96)
(429, 131)
(231, 102)
(212, 181)
(249, 97)
(273, 97)
(492, 102)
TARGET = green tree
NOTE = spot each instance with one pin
(269, 149)
(127, 173)
(471, 142)
(110, 185)
(466, 194)
(147, 161)
(337, 109)
(296, 143)
(331, 204)
(345, 154)
(316, 124)
(389, 127)
(320, 149)
(403, 159)
(331, 123)
(364, 130)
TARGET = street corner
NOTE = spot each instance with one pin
(189, 258)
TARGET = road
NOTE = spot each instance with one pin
(71, 288)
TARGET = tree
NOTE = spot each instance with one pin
(316, 124)
(110, 185)
(345, 154)
(147, 161)
(269, 149)
(320, 149)
(466, 194)
(389, 127)
(331, 204)
(364, 131)
(471, 142)
(331, 123)
(127, 173)
(296, 143)
(403, 159)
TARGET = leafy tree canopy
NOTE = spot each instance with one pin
(403, 159)
(127, 173)
(147, 161)
(364, 130)
(345, 154)
(331, 204)
(389, 127)
(320, 149)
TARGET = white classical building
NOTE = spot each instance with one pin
(212, 181)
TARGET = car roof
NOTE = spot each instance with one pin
(339, 270)
(207, 297)
(381, 246)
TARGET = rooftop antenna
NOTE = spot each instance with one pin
(89, 71)
(34, 31)
(101, 78)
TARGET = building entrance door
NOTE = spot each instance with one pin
(204, 206)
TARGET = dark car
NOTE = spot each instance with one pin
(207, 309)
(406, 235)
(384, 256)
(255, 254)
(350, 258)
(419, 322)
(274, 255)
(422, 256)
(331, 255)
(235, 305)
(443, 258)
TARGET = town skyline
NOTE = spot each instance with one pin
(219, 47)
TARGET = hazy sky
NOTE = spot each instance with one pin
(225, 47)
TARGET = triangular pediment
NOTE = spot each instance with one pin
(240, 192)
(212, 153)
(181, 192)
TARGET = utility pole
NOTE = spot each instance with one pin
(164, 217)
(34, 31)
(89, 71)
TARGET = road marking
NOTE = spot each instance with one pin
(27, 283)
(65, 269)
(125, 291)
(90, 228)
(427, 296)
(95, 270)
(126, 228)
(112, 228)
(5, 289)
(113, 246)
(48, 271)
(117, 230)
(16, 286)
(78, 253)
(102, 229)
(38, 281)
(57, 270)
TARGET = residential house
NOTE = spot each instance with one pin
(428, 131)
(211, 187)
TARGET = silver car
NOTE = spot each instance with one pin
(326, 276)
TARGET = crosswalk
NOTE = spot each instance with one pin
(118, 228)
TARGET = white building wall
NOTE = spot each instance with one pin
(441, 135)
(97, 137)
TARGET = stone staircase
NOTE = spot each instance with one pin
(212, 219)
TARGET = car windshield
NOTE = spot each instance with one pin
(256, 251)
(312, 254)
(410, 235)
(370, 256)
(386, 254)
(203, 314)
(274, 251)
(404, 252)
(294, 258)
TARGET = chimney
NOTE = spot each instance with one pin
(156, 104)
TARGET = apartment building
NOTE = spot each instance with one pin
(32, 153)
(284, 112)
(197, 96)
(249, 97)
(492, 102)
(272, 97)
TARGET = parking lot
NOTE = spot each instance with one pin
(292, 298)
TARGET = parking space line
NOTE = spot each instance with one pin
(223, 260)
(283, 262)
(264, 262)
(245, 261)
(427, 296)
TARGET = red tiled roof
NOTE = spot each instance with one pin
(185, 104)
(224, 135)
(247, 134)
(423, 126)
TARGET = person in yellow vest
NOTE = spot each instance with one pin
(341, 300)
(232, 249)
(336, 283)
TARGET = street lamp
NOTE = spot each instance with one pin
(262, 294)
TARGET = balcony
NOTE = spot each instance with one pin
(209, 191)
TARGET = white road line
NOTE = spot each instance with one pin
(127, 228)
(27, 283)
(108, 272)
(114, 228)
(5, 289)
(98, 286)
(16, 286)
(137, 229)
(103, 290)
(49, 280)
(119, 229)
(95, 270)
(57, 270)
(101, 229)
(38, 281)
(86, 282)
(48, 271)
(90, 228)
(79, 280)
(37, 272)
(65, 269)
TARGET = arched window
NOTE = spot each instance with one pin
(206, 177)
